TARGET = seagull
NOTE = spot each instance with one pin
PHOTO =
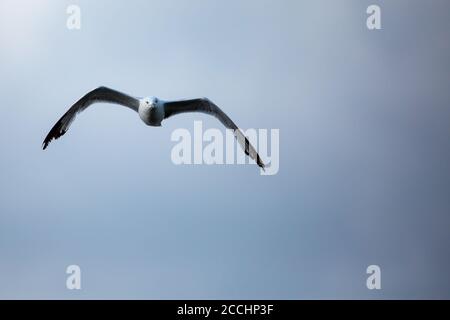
(152, 112)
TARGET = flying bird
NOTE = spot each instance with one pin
(152, 112)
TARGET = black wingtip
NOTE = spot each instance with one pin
(262, 165)
(54, 134)
(46, 142)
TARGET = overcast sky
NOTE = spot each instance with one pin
(364, 120)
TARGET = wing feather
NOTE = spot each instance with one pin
(205, 105)
(100, 94)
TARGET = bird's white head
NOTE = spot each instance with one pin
(151, 111)
(150, 102)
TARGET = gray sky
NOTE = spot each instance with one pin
(364, 150)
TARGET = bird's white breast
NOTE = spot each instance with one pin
(144, 112)
(151, 115)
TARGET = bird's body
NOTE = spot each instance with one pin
(152, 112)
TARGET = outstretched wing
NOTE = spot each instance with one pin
(101, 94)
(206, 106)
